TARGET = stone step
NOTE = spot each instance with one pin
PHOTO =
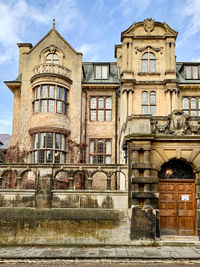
(178, 238)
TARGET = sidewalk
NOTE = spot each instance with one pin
(39, 252)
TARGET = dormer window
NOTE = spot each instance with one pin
(52, 58)
(148, 63)
(101, 72)
(192, 72)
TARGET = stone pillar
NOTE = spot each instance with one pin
(124, 107)
(167, 56)
(168, 102)
(173, 61)
(174, 100)
(130, 103)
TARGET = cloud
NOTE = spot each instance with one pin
(18, 17)
(90, 51)
(134, 7)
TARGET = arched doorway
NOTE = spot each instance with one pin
(177, 198)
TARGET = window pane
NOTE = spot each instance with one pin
(195, 72)
(99, 158)
(144, 65)
(49, 140)
(108, 103)
(100, 146)
(188, 72)
(44, 106)
(35, 157)
(101, 102)
(93, 115)
(144, 98)
(38, 92)
(48, 58)
(51, 106)
(92, 159)
(144, 109)
(65, 94)
(153, 110)
(108, 115)
(145, 56)
(91, 146)
(63, 142)
(65, 108)
(59, 106)
(193, 103)
(36, 106)
(55, 58)
(57, 156)
(62, 158)
(185, 103)
(152, 65)
(59, 92)
(100, 115)
(108, 147)
(108, 160)
(49, 156)
(35, 141)
(41, 156)
(51, 91)
(58, 141)
(42, 140)
(104, 72)
(151, 56)
(98, 72)
(93, 102)
(152, 98)
(44, 91)
(193, 113)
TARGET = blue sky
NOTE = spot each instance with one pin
(90, 26)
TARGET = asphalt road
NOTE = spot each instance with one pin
(99, 263)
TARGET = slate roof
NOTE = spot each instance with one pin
(180, 73)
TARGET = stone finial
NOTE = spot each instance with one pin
(54, 23)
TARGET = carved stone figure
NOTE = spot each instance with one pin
(178, 122)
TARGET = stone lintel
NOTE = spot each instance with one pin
(141, 165)
(145, 180)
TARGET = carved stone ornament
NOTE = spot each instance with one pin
(177, 124)
(52, 49)
(149, 25)
(156, 49)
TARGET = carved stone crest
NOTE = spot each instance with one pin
(178, 122)
(149, 25)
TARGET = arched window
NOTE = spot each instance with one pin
(191, 106)
(148, 62)
(100, 151)
(149, 103)
(52, 58)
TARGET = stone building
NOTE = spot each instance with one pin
(110, 146)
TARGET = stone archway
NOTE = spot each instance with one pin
(177, 198)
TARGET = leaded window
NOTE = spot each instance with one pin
(49, 148)
(101, 72)
(100, 151)
(191, 106)
(148, 62)
(100, 108)
(50, 98)
(52, 58)
(192, 72)
(149, 103)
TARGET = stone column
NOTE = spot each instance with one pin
(174, 99)
(173, 62)
(124, 107)
(168, 102)
(167, 56)
(130, 103)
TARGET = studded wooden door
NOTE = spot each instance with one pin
(177, 207)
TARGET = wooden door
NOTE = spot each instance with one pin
(177, 207)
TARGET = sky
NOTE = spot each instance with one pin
(92, 27)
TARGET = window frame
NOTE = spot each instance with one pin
(52, 59)
(148, 105)
(103, 154)
(97, 109)
(40, 99)
(101, 72)
(192, 72)
(148, 61)
(39, 149)
(188, 111)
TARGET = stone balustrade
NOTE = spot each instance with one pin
(51, 68)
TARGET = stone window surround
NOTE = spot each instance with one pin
(191, 111)
(51, 145)
(149, 58)
(149, 104)
(58, 109)
(97, 109)
(100, 157)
